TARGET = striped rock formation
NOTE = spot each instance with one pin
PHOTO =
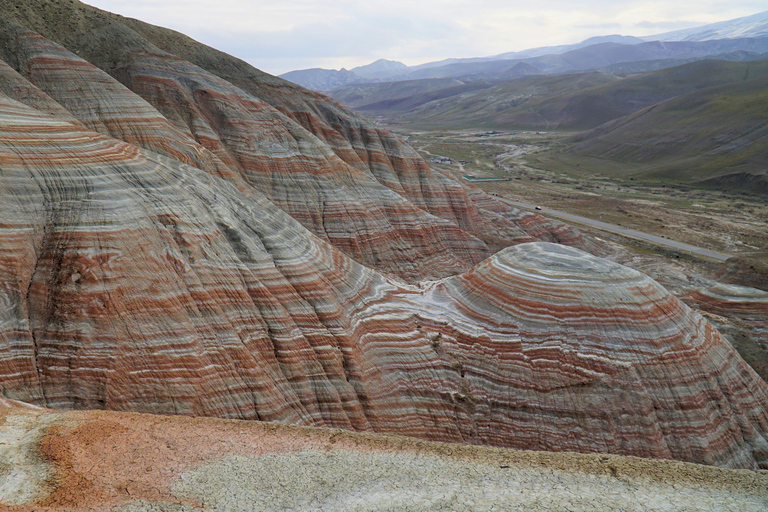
(741, 314)
(252, 147)
(744, 271)
(95, 99)
(572, 327)
(126, 461)
(354, 139)
(745, 305)
(131, 281)
(354, 185)
(148, 262)
(364, 146)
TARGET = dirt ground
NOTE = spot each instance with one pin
(96, 460)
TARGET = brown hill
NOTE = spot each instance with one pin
(228, 307)
(354, 180)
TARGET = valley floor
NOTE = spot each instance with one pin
(731, 223)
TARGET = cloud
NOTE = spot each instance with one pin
(666, 25)
(600, 27)
(280, 36)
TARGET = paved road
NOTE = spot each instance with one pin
(630, 233)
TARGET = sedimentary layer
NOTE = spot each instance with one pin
(220, 129)
(134, 282)
(172, 243)
(741, 304)
(354, 185)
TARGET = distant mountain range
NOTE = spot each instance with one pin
(382, 68)
(322, 79)
(686, 106)
(747, 34)
(328, 79)
(702, 123)
(574, 101)
(748, 26)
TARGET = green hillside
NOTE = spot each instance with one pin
(715, 137)
(566, 102)
(404, 95)
(589, 108)
(510, 104)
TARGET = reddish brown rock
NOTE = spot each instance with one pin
(132, 280)
(565, 319)
(15, 86)
(744, 271)
(249, 138)
(95, 99)
(352, 184)
(361, 144)
(741, 304)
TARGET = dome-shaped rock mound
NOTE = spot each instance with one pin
(133, 282)
(580, 353)
(748, 305)
(740, 313)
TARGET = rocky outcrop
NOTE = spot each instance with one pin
(579, 327)
(205, 280)
(220, 129)
(745, 305)
(109, 461)
(81, 90)
(361, 144)
(744, 271)
(158, 270)
(741, 314)
(324, 164)
(134, 282)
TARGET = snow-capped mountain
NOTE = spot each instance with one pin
(755, 25)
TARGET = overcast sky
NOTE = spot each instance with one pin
(280, 36)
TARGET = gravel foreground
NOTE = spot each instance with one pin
(406, 481)
(134, 462)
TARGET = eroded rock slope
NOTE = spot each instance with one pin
(134, 282)
(352, 184)
(193, 249)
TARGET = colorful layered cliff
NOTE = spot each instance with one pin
(357, 187)
(741, 314)
(172, 243)
(135, 282)
(746, 306)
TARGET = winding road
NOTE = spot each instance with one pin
(630, 233)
